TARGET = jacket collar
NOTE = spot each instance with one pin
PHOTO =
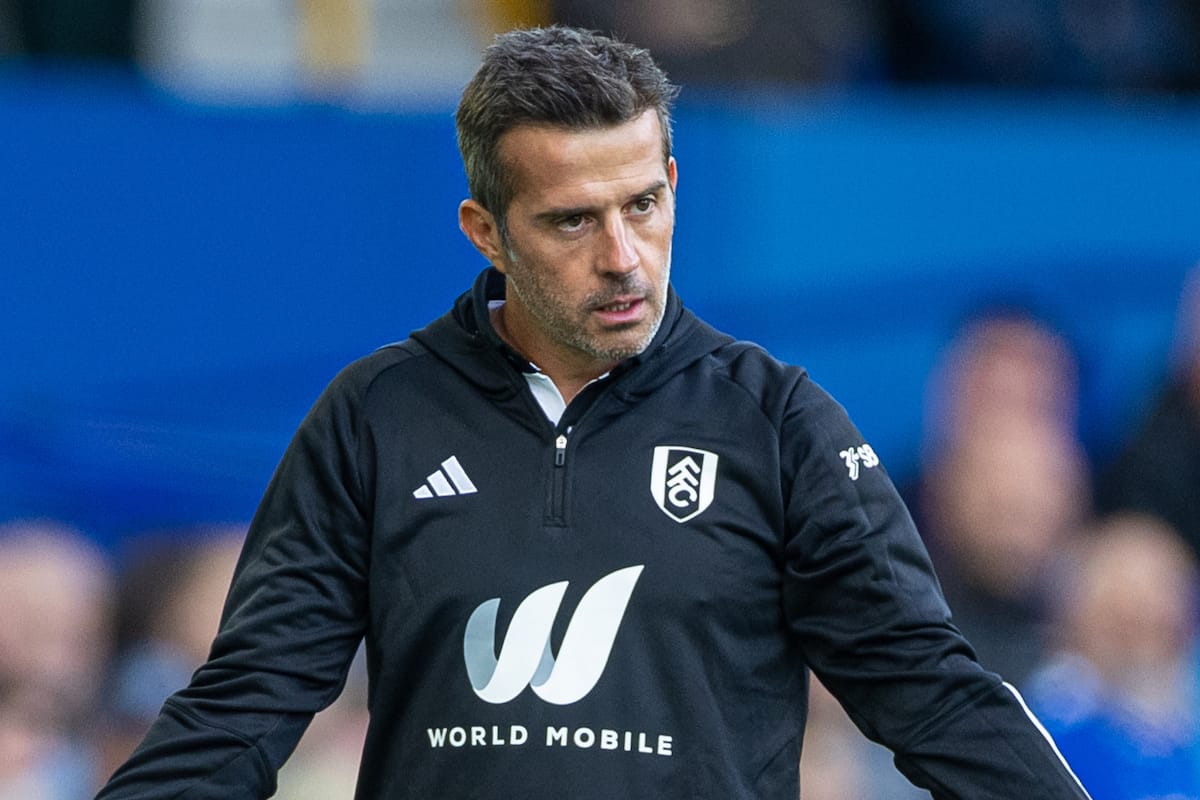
(466, 338)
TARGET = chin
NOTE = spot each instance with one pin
(628, 347)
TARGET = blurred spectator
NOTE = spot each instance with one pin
(1158, 468)
(1105, 45)
(172, 596)
(325, 763)
(55, 639)
(745, 42)
(1120, 695)
(1005, 363)
(839, 763)
(1005, 482)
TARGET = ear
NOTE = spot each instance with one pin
(672, 172)
(479, 226)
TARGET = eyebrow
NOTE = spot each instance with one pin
(555, 214)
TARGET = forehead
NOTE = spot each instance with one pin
(562, 166)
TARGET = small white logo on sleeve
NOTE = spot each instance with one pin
(859, 457)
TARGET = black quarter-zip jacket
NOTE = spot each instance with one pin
(622, 605)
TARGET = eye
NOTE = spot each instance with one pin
(572, 223)
(644, 205)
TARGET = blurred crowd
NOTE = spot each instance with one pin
(91, 646)
(419, 48)
(1075, 579)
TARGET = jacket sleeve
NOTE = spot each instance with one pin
(292, 622)
(862, 596)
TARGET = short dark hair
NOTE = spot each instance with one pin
(559, 76)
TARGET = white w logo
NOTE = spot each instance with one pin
(525, 657)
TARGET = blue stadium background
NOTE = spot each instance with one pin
(178, 282)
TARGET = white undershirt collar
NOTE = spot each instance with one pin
(547, 395)
(544, 391)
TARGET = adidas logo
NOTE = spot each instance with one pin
(448, 481)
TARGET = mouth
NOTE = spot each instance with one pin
(621, 311)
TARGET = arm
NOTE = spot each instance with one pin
(291, 625)
(862, 596)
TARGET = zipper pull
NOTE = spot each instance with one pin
(560, 450)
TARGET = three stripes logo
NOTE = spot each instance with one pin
(448, 481)
(525, 656)
(683, 481)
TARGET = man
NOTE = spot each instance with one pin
(593, 544)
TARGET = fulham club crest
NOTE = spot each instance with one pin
(682, 481)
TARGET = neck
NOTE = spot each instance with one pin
(569, 377)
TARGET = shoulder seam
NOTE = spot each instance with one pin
(741, 348)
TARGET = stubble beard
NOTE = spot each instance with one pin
(567, 324)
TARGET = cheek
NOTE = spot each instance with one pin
(563, 271)
(657, 240)
(541, 279)
(531, 254)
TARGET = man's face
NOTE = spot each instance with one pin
(589, 246)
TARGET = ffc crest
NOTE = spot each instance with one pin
(682, 481)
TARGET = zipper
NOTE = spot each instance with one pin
(573, 415)
(558, 484)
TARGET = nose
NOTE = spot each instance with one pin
(619, 254)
